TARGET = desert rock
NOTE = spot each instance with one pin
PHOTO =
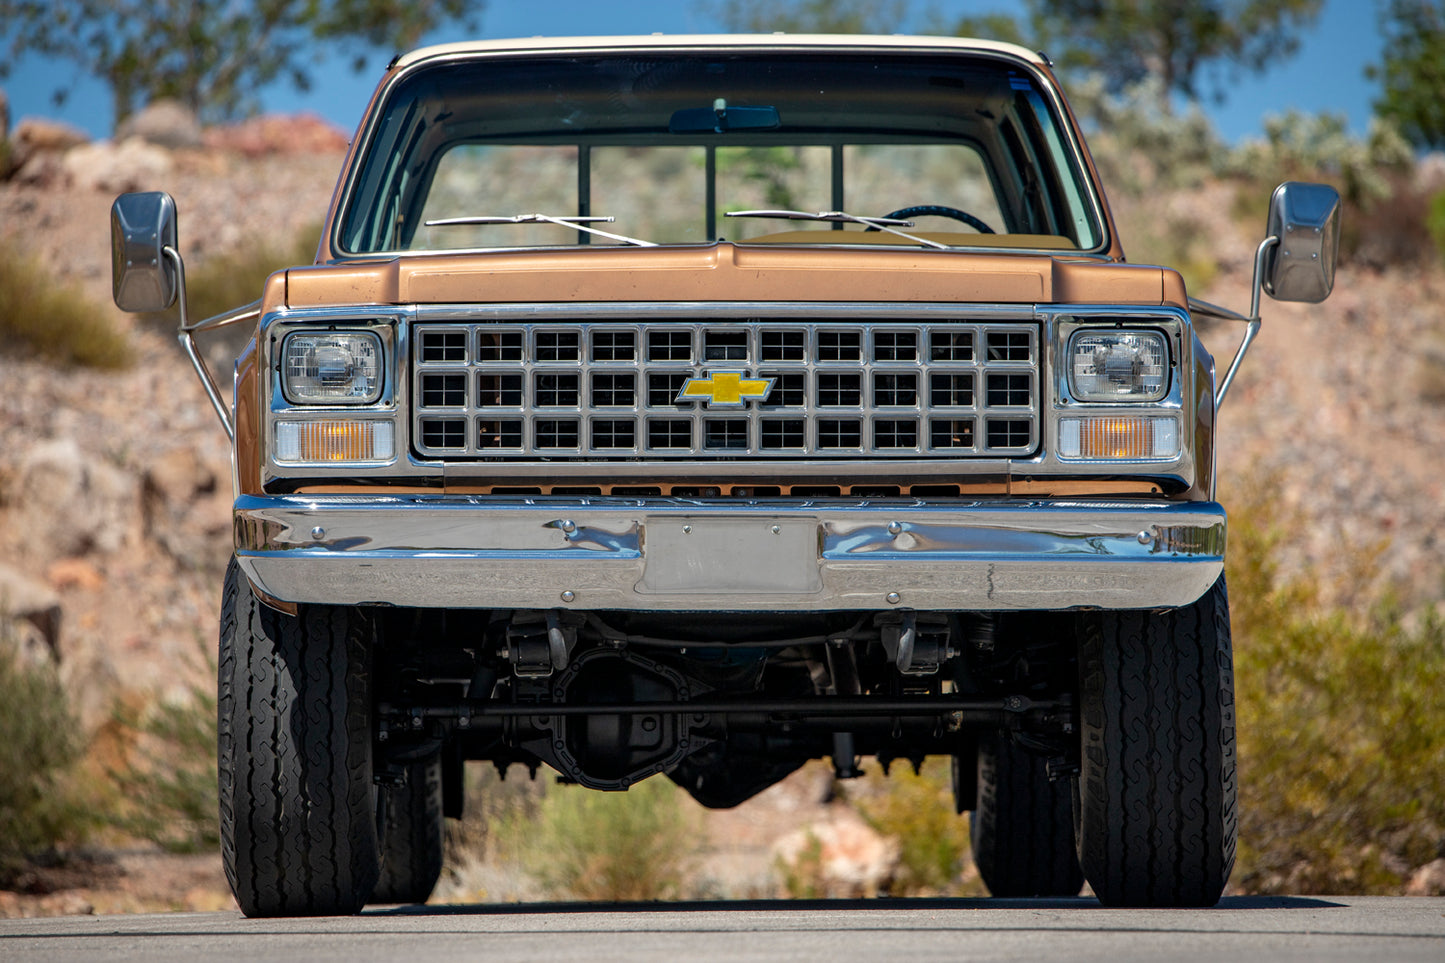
(131, 165)
(851, 858)
(164, 123)
(1428, 880)
(23, 597)
(75, 502)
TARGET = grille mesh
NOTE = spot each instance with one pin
(609, 389)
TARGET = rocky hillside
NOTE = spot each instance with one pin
(114, 487)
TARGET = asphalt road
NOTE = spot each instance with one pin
(1314, 929)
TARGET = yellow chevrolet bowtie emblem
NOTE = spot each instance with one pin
(726, 389)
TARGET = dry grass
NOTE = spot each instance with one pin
(166, 786)
(1432, 373)
(56, 321)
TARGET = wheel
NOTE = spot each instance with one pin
(940, 210)
(411, 835)
(1157, 817)
(1023, 828)
(298, 816)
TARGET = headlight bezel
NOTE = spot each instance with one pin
(1069, 412)
(378, 419)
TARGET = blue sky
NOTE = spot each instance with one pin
(1326, 75)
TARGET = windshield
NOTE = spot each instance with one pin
(965, 149)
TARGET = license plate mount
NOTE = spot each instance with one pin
(730, 556)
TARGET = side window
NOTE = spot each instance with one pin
(881, 178)
(499, 179)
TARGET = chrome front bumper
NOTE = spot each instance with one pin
(668, 554)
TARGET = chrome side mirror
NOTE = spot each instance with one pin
(1306, 219)
(143, 276)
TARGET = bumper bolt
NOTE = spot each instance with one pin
(569, 526)
(318, 533)
(895, 528)
(1145, 538)
(569, 595)
(894, 598)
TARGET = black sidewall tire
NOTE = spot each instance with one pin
(1022, 832)
(412, 835)
(297, 806)
(1157, 789)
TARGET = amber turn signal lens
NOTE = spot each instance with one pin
(1118, 436)
(333, 440)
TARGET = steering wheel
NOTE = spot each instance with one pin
(920, 210)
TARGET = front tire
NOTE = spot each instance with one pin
(411, 833)
(1023, 829)
(1157, 789)
(298, 824)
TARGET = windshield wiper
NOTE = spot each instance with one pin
(576, 222)
(889, 224)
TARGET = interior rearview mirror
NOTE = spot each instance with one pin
(1306, 219)
(142, 226)
(720, 118)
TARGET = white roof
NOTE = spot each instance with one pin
(780, 41)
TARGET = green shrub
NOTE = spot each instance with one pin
(1139, 147)
(167, 786)
(802, 877)
(1389, 230)
(1341, 736)
(57, 321)
(1384, 214)
(1435, 222)
(38, 750)
(1142, 150)
(1300, 146)
(917, 810)
(637, 845)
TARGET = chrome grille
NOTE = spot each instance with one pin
(606, 389)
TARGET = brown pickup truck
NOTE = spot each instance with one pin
(699, 406)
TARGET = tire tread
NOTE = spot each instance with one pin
(1158, 820)
(298, 836)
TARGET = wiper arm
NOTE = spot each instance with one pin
(576, 222)
(889, 224)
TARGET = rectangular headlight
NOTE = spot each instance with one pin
(331, 367)
(334, 440)
(1129, 437)
(1114, 366)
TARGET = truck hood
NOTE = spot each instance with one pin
(728, 272)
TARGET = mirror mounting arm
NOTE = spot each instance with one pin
(187, 331)
(188, 343)
(1251, 330)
